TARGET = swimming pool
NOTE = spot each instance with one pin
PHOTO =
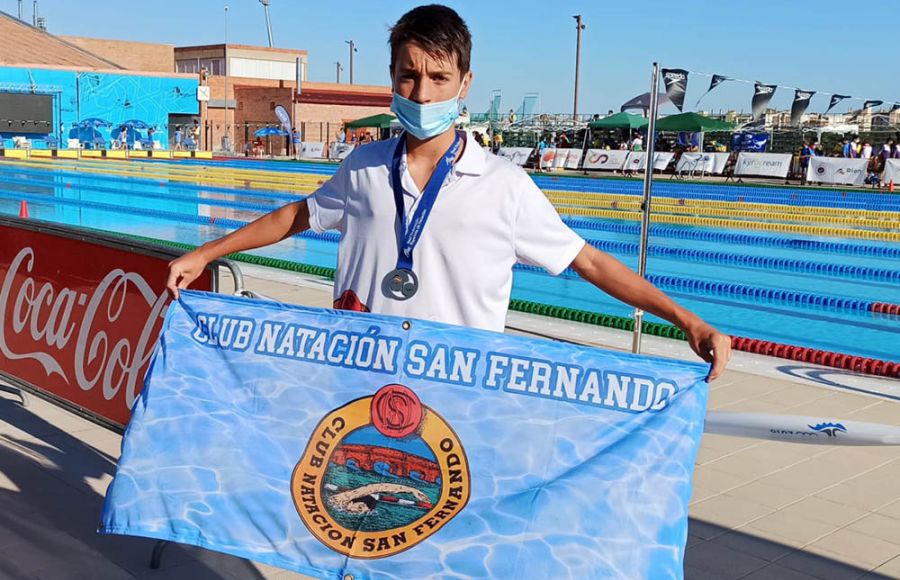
(800, 289)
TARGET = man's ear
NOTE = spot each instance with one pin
(467, 84)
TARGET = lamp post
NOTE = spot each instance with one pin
(226, 141)
(579, 26)
(352, 50)
(339, 69)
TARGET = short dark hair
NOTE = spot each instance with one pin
(440, 32)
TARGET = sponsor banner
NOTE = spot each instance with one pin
(675, 80)
(517, 155)
(285, 119)
(548, 157)
(713, 83)
(312, 150)
(80, 318)
(891, 172)
(605, 159)
(835, 99)
(573, 159)
(837, 170)
(559, 160)
(341, 443)
(702, 162)
(637, 160)
(749, 141)
(763, 164)
(801, 103)
(338, 150)
(762, 94)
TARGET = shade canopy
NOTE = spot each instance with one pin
(380, 121)
(642, 102)
(692, 122)
(620, 121)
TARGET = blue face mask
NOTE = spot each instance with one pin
(428, 120)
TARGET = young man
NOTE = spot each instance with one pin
(452, 264)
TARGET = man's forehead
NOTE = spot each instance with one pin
(411, 55)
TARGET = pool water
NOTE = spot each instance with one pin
(181, 212)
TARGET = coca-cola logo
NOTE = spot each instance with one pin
(48, 318)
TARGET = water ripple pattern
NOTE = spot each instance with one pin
(558, 488)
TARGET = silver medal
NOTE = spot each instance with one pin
(401, 284)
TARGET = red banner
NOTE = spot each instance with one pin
(80, 318)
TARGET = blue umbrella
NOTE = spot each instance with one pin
(269, 131)
(88, 135)
(94, 122)
(134, 124)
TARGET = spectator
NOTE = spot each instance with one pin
(886, 150)
(845, 148)
(464, 117)
(498, 142)
(866, 151)
(195, 132)
(179, 136)
(342, 136)
(512, 116)
(637, 144)
(295, 139)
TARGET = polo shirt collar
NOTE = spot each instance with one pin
(473, 160)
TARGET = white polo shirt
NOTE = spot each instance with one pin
(488, 215)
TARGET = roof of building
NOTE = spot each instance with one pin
(240, 47)
(24, 44)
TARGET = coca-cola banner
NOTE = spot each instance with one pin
(80, 318)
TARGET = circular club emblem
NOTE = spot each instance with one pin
(820, 170)
(379, 475)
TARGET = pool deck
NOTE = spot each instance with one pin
(760, 509)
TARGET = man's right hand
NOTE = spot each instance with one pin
(184, 270)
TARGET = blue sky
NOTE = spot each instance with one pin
(529, 46)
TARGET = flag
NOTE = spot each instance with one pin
(872, 103)
(835, 99)
(284, 117)
(762, 94)
(675, 80)
(801, 103)
(337, 443)
(713, 83)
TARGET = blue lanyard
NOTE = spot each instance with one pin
(410, 234)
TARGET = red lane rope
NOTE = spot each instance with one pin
(838, 360)
(885, 308)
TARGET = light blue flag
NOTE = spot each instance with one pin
(336, 443)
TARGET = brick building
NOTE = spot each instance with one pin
(258, 80)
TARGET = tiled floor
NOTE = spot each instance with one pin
(761, 510)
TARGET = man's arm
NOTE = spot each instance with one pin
(269, 229)
(619, 281)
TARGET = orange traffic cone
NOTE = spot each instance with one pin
(23, 209)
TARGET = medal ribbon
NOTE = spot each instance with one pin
(410, 233)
